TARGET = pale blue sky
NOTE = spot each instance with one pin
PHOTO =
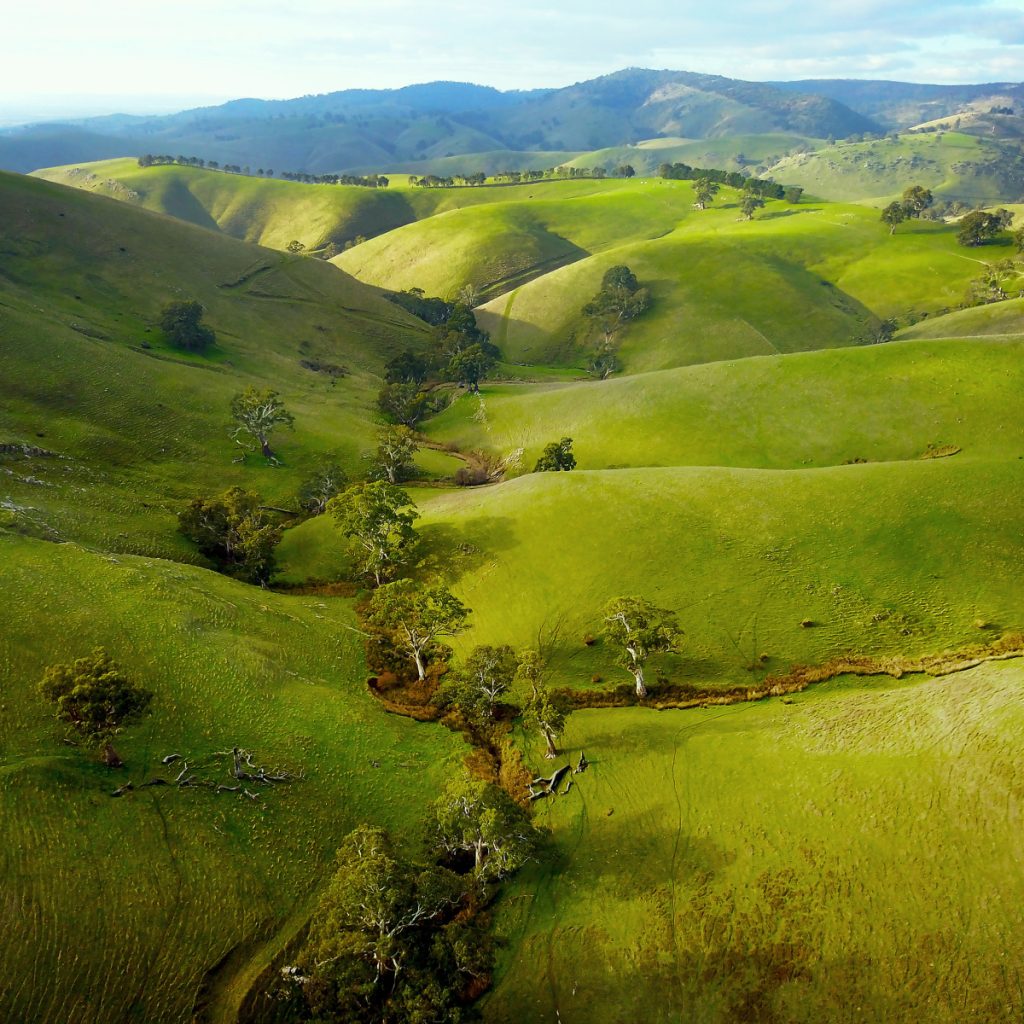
(65, 56)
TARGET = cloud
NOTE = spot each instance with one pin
(263, 48)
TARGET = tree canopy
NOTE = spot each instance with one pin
(639, 629)
(556, 457)
(387, 943)
(476, 817)
(95, 698)
(979, 227)
(235, 531)
(476, 686)
(182, 323)
(411, 620)
(377, 518)
(258, 413)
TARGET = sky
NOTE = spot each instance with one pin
(65, 57)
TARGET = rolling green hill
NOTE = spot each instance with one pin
(953, 165)
(88, 375)
(793, 493)
(740, 863)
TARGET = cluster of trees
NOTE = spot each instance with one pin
(397, 941)
(365, 181)
(461, 352)
(619, 300)
(979, 227)
(910, 206)
(155, 159)
(513, 177)
(182, 322)
(709, 180)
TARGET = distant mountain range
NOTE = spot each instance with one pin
(386, 129)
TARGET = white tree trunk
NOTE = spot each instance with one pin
(638, 675)
(419, 663)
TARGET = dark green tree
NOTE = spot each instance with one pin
(750, 202)
(793, 193)
(182, 323)
(893, 215)
(477, 818)
(96, 699)
(327, 480)
(235, 531)
(556, 457)
(470, 366)
(403, 402)
(476, 686)
(387, 942)
(916, 200)
(979, 227)
(704, 192)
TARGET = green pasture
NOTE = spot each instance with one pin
(850, 856)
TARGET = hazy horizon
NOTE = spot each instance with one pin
(100, 61)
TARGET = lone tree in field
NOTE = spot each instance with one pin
(377, 518)
(639, 629)
(542, 710)
(894, 215)
(557, 457)
(916, 200)
(793, 193)
(411, 620)
(750, 203)
(396, 449)
(475, 817)
(704, 192)
(96, 699)
(182, 323)
(258, 414)
(385, 943)
(480, 682)
(234, 530)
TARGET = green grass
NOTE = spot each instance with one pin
(878, 403)
(82, 285)
(849, 857)
(953, 165)
(997, 320)
(880, 817)
(167, 882)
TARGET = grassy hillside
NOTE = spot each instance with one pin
(180, 891)
(797, 278)
(848, 857)
(998, 320)
(88, 376)
(881, 403)
(951, 164)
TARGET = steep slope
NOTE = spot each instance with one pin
(87, 375)
(902, 104)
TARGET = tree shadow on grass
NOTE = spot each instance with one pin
(451, 552)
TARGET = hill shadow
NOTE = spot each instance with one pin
(451, 552)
